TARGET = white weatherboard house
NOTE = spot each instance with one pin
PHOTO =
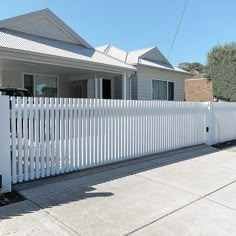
(38, 51)
(155, 77)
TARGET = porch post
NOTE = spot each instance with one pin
(100, 88)
(124, 92)
(96, 86)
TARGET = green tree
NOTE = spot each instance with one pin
(190, 67)
(221, 69)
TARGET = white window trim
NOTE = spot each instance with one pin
(34, 74)
(167, 87)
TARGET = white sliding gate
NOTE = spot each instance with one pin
(54, 136)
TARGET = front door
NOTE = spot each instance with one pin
(80, 89)
(106, 88)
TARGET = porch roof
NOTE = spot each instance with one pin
(28, 43)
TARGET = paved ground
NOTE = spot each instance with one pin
(185, 192)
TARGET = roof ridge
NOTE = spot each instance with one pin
(126, 57)
(107, 49)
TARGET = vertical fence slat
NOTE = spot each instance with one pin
(13, 140)
(47, 135)
(36, 128)
(26, 138)
(57, 136)
(75, 121)
(42, 138)
(31, 138)
(52, 136)
(71, 131)
(80, 134)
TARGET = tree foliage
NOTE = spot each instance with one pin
(194, 66)
(221, 69)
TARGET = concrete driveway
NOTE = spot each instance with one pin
(186, 192)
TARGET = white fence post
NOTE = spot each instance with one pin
(210, 125)
(5, 157)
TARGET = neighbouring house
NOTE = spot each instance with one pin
(198, 89)
(155, 77)
(39, 52)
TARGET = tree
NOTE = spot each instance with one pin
(221, 69)
(190, 67)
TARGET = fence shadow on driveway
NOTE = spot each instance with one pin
(79, 186)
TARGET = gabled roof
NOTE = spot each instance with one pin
(150, 57)
(149, 54)
(46, 24)
(27, 43)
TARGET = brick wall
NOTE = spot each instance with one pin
(198, 90)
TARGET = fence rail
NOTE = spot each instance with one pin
(50, 136)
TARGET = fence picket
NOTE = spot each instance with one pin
(25, 139)
(31, 139)
(42, 138)
(13, 140)
(47, 135)
(71, 139)
(36, 129)
(52, 136)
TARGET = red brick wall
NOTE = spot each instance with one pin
(198, 90)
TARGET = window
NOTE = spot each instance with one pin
(45, 86)
(41, 85)
(162, 90)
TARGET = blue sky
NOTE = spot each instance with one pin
(136, 24)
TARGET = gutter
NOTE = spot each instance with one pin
(163, 69)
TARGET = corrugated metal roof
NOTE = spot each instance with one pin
(151, 57)
(36, 44)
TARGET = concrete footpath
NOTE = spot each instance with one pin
(191, 191)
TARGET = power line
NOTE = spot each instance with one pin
(176, 33)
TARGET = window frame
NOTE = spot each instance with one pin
(167, 87)
(34, 75)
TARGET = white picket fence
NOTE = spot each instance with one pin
(54, 136)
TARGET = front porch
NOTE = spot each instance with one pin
(44, 80)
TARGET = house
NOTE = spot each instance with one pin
(155, 77)
(38, 51)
